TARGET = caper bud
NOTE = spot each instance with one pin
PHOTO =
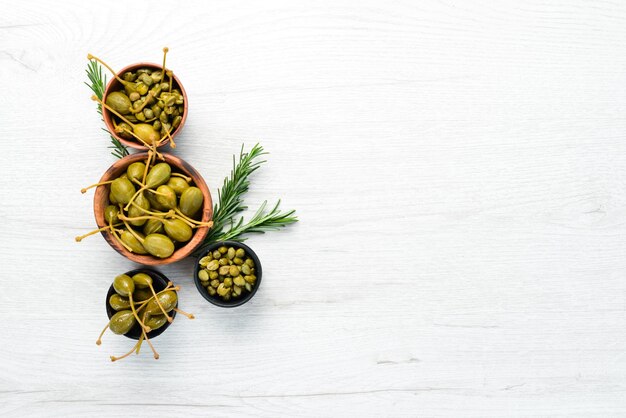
(118, 302)
(203, 275)
(156, 76)
(216, 254)
(142, 88)
(163, 117)
(238, 261)
(177, 229)
(122, 322)
(153, 226)
(236, 291)
(245, 269)
(213, 265)
(177, 121)
(179, 185)
(191, 201)
(233, 271)
(250, 262)
(215, 283)
(240, 252)
(128, 76)
(223, 261)
(135, 171)
(228, 282)
(224, 270)
(159, 245)
(110, 214)
(140, 116)
(231, 253)
(166, 196)
(156, 321)
(135, 212)
(134, 96)
(213, 275)
(249, 279)
(157, 125)
(158, 175)
(211, 291)
(135, 245)
(146, 132)
(222, 290)
(124, 130)
(248, 287)
(148, 113)
(239, 281)
(205, 260)
(122, 190)
(119, 102)
(142, 280)
(124, 285)
(165, 86)
(147, 80)
(170, 100)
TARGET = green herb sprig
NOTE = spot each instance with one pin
(230, 203)
(97, 83)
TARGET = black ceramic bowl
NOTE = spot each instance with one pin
(216, 300)
(159, 282)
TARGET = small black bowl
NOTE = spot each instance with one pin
(216, 300)
(159, 282)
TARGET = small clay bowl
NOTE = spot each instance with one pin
(101, 200)
(217, 300)
(159, 282)
(115, 85)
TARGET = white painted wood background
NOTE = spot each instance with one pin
(459, 169)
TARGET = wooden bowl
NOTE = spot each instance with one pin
(115, 85)
(101, 200)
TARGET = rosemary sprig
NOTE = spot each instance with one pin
(97, 84)
(260, 223)
(230, 196)
(230, 203)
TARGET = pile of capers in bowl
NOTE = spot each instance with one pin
(141, 304)
(144, 104)
(228, 273)
(147, 98)
(152, 209)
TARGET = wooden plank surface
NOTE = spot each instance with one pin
(458, 168)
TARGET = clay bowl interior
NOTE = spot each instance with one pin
(115, 85)
(101, 200)
(159, 282)
(216, 300)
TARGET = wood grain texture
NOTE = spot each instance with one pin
(458, 168)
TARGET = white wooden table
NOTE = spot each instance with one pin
(459, 169)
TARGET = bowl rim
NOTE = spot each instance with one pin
(135, 332)
(101, 195)
(108, 120)
(215, 301)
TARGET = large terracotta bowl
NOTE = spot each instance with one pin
(115, 85)
(101, 200)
